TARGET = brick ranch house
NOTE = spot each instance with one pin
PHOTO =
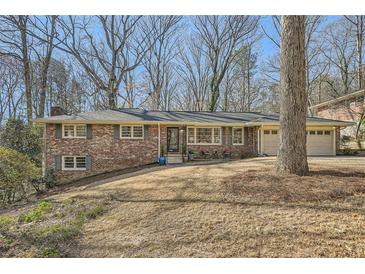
(350, 107)
(85, 144)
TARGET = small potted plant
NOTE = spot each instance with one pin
(162, 159)
(226, 153)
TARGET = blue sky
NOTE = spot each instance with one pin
(267, 46)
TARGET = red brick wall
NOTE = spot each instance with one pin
(107, 153)
(343, 112)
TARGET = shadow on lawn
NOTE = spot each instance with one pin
(336, 173)
(333, 209)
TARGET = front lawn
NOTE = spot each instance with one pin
(231, 209)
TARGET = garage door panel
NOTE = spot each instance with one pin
(317, 144)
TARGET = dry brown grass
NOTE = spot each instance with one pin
(234, 209)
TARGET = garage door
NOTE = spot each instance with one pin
(319, 142)
(271, 141)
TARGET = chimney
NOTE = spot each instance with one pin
(57, 110)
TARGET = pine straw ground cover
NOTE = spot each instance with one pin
(231, 209)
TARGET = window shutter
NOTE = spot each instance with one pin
(58, 162)
(58, 131)
(88, 162)
(116, 131)
(245, 135)
(89, 131)
(145, 133)
(224, 137)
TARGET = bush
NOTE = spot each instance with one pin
(36, 213)
(22, 138)
(16, 174)
(48, 181)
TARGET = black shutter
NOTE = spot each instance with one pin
(145, 133)
(58, 162)
(245, 136)
(88, 162)
(224, 137)
(89, 131)
(116, 131)
(58, 131)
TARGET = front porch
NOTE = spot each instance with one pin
(178, 143)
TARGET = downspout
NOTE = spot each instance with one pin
(44, 158)
(159, 142)
(334, 141)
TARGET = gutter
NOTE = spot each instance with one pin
(329, 123)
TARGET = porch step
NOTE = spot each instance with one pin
(174, 159)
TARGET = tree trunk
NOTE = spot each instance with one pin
(44, 74)
(292, 156)
(26, 69)
(359, 42)
(214, 98)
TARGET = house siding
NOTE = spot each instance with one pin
(343, 111)
(107, 153)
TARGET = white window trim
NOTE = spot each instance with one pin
(73, 137)
(243, 136)
(205, 144)
(132, 129)
(74, 168)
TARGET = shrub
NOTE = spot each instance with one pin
(22, 138)
(36, 213)
(48, 181)
(50, 252)
(16, 174)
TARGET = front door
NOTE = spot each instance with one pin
(172, 139)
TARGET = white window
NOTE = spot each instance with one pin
(191, 135)
(131, 132)
(74, 131)
(126, 132)
(237, 136)
(74, 163)
(204, 135)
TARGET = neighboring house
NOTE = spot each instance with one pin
(350, 107)
(96, 142)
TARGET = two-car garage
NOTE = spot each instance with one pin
(320, 141)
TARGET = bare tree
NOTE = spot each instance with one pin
(158, 61)
(339, 53)
(220, 37)
(104, 56)
(10, 84)
(245, 87)
(44, 27)
(15, 42)
(315, 66)
(194, 69)
(292, 155)
(358, 21)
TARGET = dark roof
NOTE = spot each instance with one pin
(140, 115)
